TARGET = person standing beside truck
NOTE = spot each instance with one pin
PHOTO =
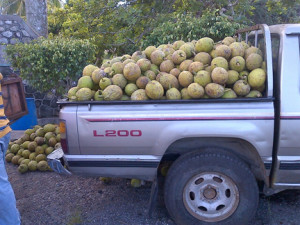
(9, 214)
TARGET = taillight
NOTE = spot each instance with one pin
(63, 136)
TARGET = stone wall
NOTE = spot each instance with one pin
(13, 30)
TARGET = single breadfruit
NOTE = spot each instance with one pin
(144, 64)
(98, 74)
(88, 70)
(214, 90)
(178, 57)
(84, 94)
(219, 62)
(244, 75)
(138, 55)
(9, 157)
(104, 83)
(175, 72)
(254, 61)
(185, 78)
(32, 136)
(72, 91)
(85, 82)
(106, 63)
(135, 183)
(254, 94)
(173, 94)
(149, 50)
(195, 90)
(203, 57)
(168, 52)
(184, 66)
(40, 132)
(125, 98)
(223, 51)
(58, 137)
(19, 141)
(25, 161)
(25, 144)
(128, 61)
(188, 49)
(49, 150)
(178, 44)
(168, 81)
(15, 148)
(241, 88)
(49, 128)
(40, 157)
(23, 168)
(150, 74)
(117, 68)
(237, 63)
(108, 72)
(251, 50)
(154, 90)
(202, 78)
(229, 93)
(132, 71)
(52, 142)
(219, 75)
(39, 150)
(42, 165)
(112, 92)
(20, 152)
(185, 94)
(195, 67)
(98, 96)
(246, 46)
(58, 145)
(25, 154)
(166, 66)
(15, 159)
(204, 45)
(29, 131)
(32, 146)
(20, 160)
(157, 57)
(257, 78)
(142, 81)
(208, 69)
(228, 40)
(32, 156)
(120, 80)
(130, 88)
(39, 140)
(237, 49)
(32, 165)
(213, 53)
(25, 137)
(233, 76)
(139, 95)
(154, 68)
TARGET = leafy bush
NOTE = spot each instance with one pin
(187, 27)
(49, 64)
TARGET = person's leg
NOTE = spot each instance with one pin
(9, 214)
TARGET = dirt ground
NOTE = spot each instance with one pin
(45, 198)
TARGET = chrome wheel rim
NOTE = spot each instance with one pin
(211, 196)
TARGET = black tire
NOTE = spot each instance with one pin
(234, 175)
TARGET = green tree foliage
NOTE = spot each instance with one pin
(187, 27)
(51, 63)
(121, 26)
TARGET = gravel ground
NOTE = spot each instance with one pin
(49, 198)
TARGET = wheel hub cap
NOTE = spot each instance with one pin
(211, 196)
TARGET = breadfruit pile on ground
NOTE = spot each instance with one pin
(30, 151)
(191, 70)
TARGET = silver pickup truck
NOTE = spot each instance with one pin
(222, 152)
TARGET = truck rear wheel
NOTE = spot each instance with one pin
(210, 188)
